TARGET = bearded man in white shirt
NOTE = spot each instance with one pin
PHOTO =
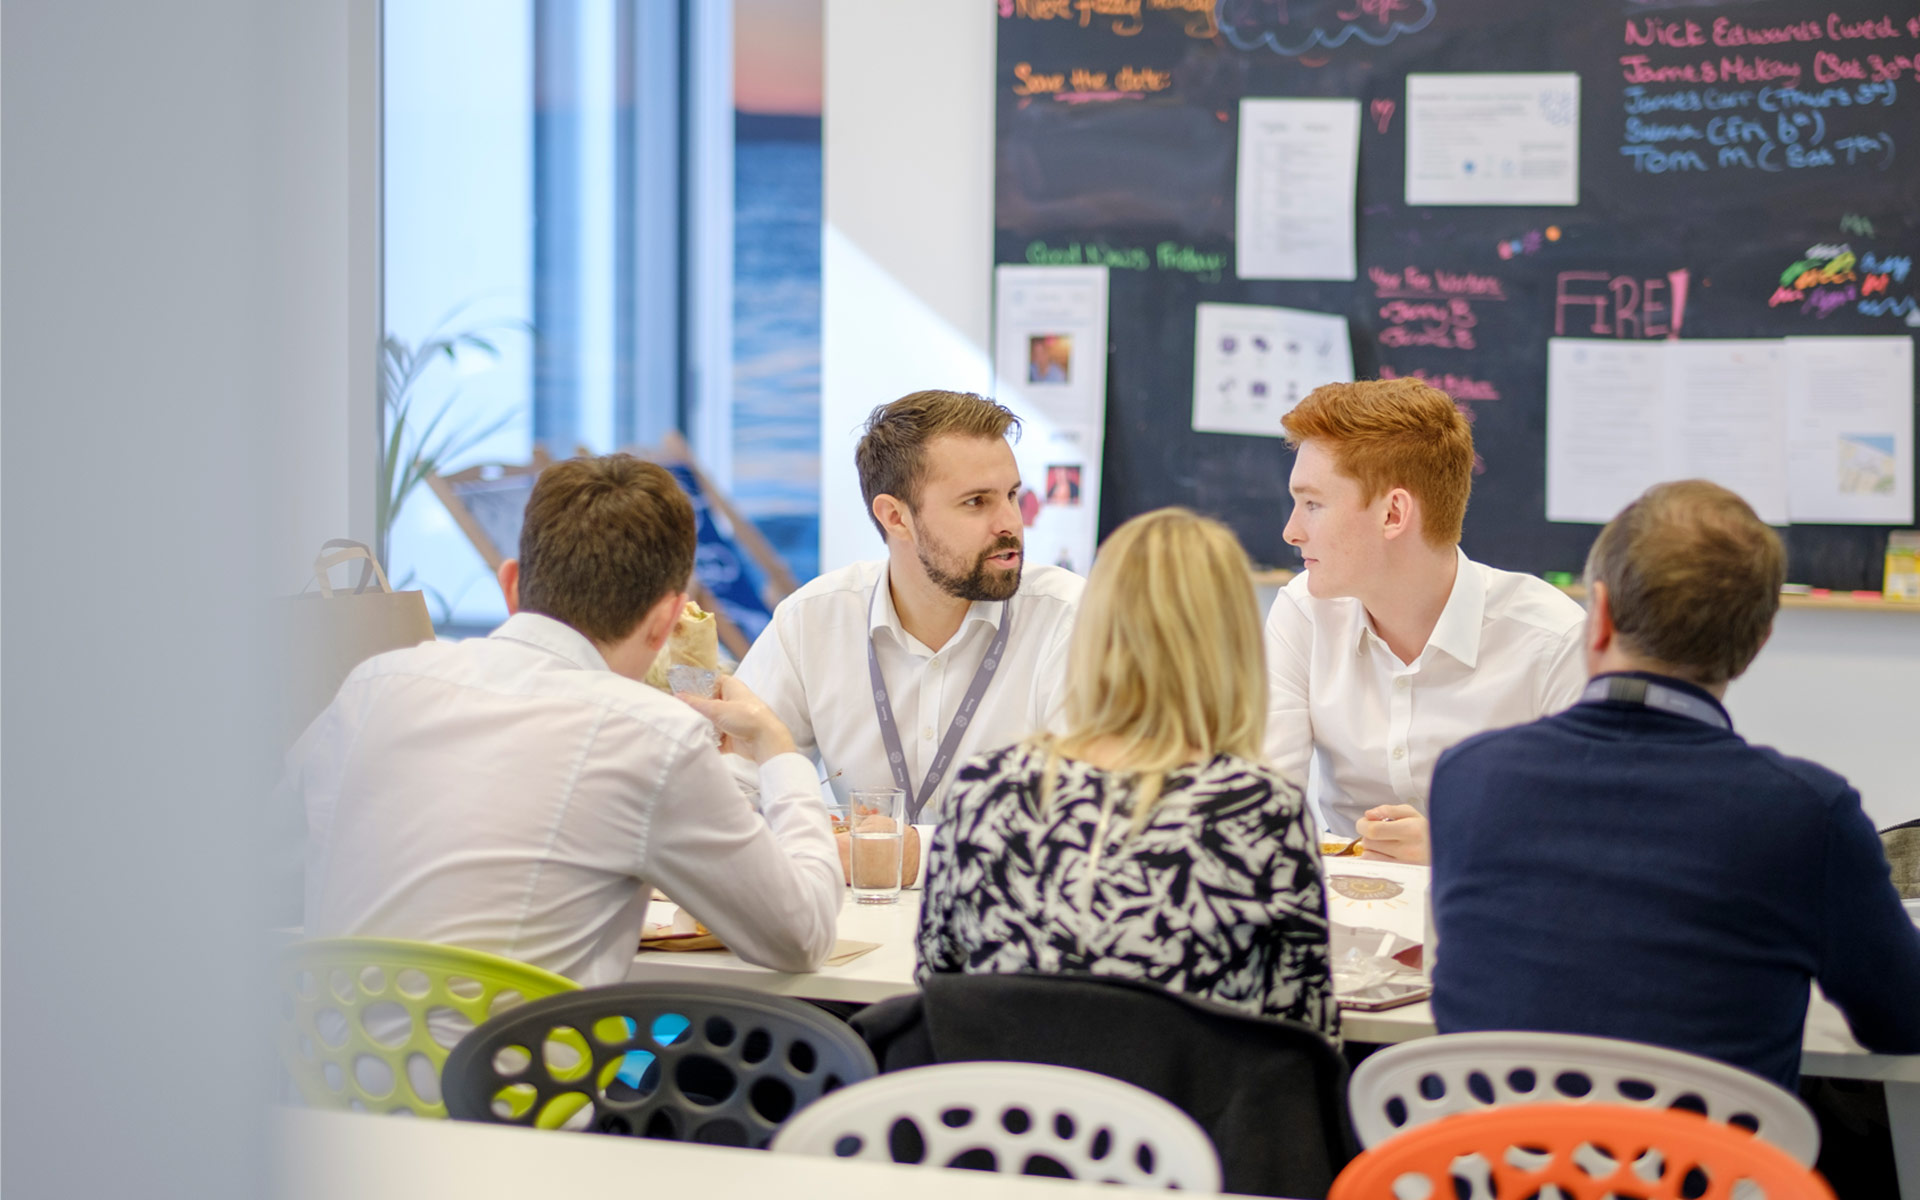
(523, 793)
(893, 672)
(1393, 645)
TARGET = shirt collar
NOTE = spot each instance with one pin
(1457, 632)
(882, 615)
(555, 637)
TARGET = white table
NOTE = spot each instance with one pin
(330, 1155)
(1828, 1048)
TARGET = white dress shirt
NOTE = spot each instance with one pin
(1506, 650)
(512, 794)
(810, 666)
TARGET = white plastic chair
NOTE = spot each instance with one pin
(1415, 1082)
(1016, 1118)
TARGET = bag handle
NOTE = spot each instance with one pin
(346, 550)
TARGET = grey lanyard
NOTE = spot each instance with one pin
(890, 733)
(1645, 692)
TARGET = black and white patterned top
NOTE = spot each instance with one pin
(1219, 896)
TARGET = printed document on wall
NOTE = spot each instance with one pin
(1624, 415)
(1850, 431)
(1252, 363)
(1293, 214)
(1493, 138)
(1050, 365)
(1727, 418)
(1605, 432)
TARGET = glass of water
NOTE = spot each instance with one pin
(877, 838)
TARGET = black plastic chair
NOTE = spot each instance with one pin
(1270, 1093)
(682, 1062)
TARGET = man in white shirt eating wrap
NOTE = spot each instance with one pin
(1393, 645)
(523, 793)
(896, 671)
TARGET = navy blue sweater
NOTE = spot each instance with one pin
(1625, 872)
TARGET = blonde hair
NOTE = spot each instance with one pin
(1166, 658)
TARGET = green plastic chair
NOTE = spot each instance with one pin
(418, 998)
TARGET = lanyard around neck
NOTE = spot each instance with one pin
(1629, 689)
(890, 732)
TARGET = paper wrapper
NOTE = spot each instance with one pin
(694, 643)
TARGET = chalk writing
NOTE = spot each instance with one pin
(1304, 26)
(1431, 308)
(1855, 223)
(1122, 17)
(1166, 256)
(1829, 278)
(1462, 388)
(1079, 85)
(1622, 306)
(1382, 114)
(1800, 72)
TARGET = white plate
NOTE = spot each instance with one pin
(1913, 909)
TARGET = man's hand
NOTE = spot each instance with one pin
(1395, 832)
(747, 727)
(909, 851)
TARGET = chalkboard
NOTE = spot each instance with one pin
(1117, 142)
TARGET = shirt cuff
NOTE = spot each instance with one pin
(787, 774)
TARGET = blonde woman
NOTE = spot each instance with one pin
(1147, 841)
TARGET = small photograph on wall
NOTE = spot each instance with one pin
(1049, 358)
(1063, 485)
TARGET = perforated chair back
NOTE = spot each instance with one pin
(1016, 1118)
(1408, 1085)
(367, 1022)
(684, 1062)
(1587, 1151)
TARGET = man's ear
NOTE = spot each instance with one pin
(658, 624)
(510, 584)
(1402, 515)
(896, 519)
(1600, 631)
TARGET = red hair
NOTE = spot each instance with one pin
(1389, 433)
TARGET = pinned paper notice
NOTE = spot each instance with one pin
(1293, 213)
(1493, 138)
(1252, 364)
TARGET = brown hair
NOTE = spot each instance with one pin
(1388, 433)
(892, 455)
(1693, 578)
(604, 539)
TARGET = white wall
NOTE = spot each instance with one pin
(906, 304)
(907, 266)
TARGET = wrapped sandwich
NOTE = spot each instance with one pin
(690, 661)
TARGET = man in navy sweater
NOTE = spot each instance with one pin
(1631, 867)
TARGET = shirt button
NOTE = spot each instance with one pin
(1404, 682)
(926, 731)
(1399, 751)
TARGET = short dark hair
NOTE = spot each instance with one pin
(892, 455)
(1693, 578)
(603, 541)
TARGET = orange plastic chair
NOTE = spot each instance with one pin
(1586, 1150)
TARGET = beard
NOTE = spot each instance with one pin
(980, 582)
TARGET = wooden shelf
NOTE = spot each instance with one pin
(1839, 601)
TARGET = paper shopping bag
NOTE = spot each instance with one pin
(329, 631)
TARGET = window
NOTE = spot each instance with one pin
(560, 255)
